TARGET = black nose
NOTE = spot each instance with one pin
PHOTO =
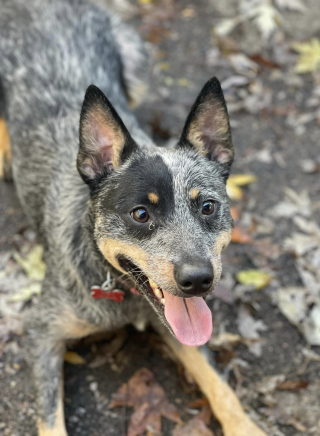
(194, 278)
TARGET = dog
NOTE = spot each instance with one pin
(111, 205)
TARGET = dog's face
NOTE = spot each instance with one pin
(162, 216)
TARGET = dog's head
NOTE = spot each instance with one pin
(162, 216)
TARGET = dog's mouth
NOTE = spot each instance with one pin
(189, 319)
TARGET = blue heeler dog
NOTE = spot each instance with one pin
(112, 205)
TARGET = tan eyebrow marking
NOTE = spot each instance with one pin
(194, 193)
(153, 198)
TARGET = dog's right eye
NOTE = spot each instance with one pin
(140, 215)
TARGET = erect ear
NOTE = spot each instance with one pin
(207, 128)
(105, 142)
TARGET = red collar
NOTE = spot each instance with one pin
(107, 290)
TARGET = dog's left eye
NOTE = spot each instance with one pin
(140, 215)
(208, 207)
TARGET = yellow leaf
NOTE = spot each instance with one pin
(73, 358)
(242, 179)
(256, 278)
(234, 192)
(32, 263)
(224, 339)
(145, 2)
(309, 59)
(183, 82)
(26, 293)
(235, 181)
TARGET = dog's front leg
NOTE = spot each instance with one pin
(45, 355)
(48, 326)
(223, 401)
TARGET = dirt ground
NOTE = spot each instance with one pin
(274, 140)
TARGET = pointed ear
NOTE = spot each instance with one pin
(207, 128)
(105, 142)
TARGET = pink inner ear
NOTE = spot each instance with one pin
(104, 140)
(106, 149)
(223, 156)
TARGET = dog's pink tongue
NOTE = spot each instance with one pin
(189, 318)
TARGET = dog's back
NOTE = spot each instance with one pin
(51, 51)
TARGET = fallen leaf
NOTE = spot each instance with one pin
(264, 62)
(266, 18)
(253, 277)
(249, 328)
(268, 384)
(27, 292)
(302, 308)
(291, 5)
(293, 385)
(243, 65)
(149, 401)
(309, 166)
(311, 355)
(234, 81)
(235, 181)
(309, 59)
(194, 427)
(105, 351)
(145, 2)
(300, 244)
(294, 204)
(292, 304)
(32, 263)
(240, 236)
(242, 179)
(225, 27)
(264, 15)
(224, 339)
(205, 413)
(73, 358)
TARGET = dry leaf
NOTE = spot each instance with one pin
(294, 204)
(73, 358)
(224, 339)
(239, 236)
(242, 179)
(300, 244)
(32, 263)
(243, 65)
(253, 277)
(249, 328)
(309, 59)
(266, 18)
(149, 401)
(269, 383)
(264, 15)
(27, 292)
(302, 308)
(293, 385)
(235, 181)
(291, 5)
(194, 427)
(225, 27)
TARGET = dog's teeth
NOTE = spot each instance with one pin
(163, 301)
(158, 293)
(153, 285)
